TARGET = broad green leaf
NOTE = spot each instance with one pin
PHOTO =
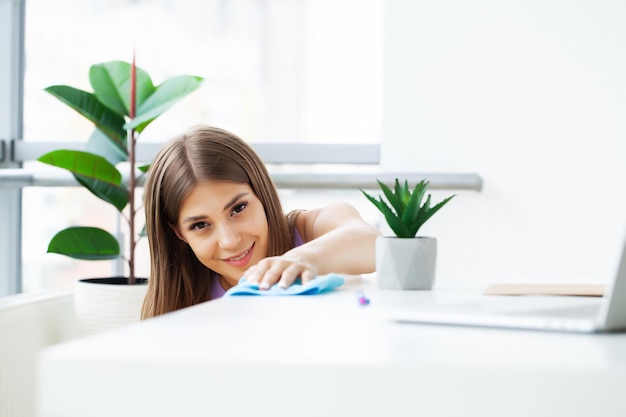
(116, 195)
(88, 243)
(92, 171)
(110, 123)
(83, 163)
(111, 85)
(100, 145)
(165, 96)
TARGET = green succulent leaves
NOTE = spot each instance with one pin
(108, 108)
(407, 214)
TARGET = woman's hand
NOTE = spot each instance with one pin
(282, 270)
(336, 239)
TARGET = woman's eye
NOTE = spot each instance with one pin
(199, 226)
(239, 208)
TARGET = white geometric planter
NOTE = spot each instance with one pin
(106, 303)
(406, 263)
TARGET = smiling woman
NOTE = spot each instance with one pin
(213, 216)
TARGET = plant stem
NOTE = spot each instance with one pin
(131, 201)
(132, 179)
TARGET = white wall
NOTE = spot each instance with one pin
(531, 95)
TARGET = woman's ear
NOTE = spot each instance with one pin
(175, 229)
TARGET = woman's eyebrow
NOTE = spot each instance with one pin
(234, 200)
(192, 219)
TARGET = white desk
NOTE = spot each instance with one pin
(325, 355)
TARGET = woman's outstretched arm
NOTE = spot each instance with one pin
(337, 239)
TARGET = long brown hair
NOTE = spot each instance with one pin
(177, 278)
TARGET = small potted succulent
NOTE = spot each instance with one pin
(406, 261)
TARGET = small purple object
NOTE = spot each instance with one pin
(360, 296)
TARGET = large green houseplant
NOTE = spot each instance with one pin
(123, 103)
(406, 261)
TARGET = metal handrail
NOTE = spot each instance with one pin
(288, 164)
(12, 178)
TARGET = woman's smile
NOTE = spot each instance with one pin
(242, 259)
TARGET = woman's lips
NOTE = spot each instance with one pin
(242, 259)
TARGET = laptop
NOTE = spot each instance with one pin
(582, 314)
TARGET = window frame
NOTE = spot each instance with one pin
(12, 14)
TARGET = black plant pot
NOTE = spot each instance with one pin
(114, 281)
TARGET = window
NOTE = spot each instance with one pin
(275, 71)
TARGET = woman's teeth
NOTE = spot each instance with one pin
(240, 257)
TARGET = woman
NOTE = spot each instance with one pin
(213, 215)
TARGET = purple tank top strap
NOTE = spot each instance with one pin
(297, 239)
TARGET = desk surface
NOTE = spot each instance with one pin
(326, 355)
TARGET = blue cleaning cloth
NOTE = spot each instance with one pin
(317, 285)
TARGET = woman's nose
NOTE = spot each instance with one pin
(228, 237)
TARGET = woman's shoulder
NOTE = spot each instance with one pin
(315, 222)
(337, 210)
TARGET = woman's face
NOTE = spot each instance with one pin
(225, 225)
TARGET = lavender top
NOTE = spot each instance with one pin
(217, 291)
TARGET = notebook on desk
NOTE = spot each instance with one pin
(586, 314)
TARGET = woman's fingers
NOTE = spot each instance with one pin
(289, 275)
(271, 276)
(279, 270)
(255, 273)
(283, 271)
(307, 275)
